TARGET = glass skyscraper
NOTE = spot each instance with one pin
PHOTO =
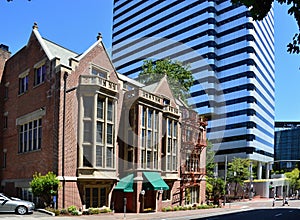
(287, 146)
(231, 57)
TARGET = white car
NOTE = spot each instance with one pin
(11, 204)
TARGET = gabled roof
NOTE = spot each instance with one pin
(53, 50)
(130, 80)
(60, 52)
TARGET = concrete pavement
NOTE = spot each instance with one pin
(256, 203)
(234, 207)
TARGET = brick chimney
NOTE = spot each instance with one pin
(4, 55)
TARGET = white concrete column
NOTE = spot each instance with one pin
(259, 170)
(268, 170)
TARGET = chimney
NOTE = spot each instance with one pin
(4, 56)
(4, 47)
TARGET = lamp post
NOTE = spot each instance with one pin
(143, 194)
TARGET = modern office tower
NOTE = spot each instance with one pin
(231, 57)
(286, 146)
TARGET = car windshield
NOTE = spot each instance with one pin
(5, 196)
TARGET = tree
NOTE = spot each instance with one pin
(260, 8)
(179, 76)
(293, 179)
(215, 186)
(44, 186)
(238, 171)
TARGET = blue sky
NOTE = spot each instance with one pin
(75, 24)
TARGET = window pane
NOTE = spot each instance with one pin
(109, 157)
(87, 198)
(175, 129)
(99, 134)
(148, 159)
(169, 127)
(87, 136)
(103, 197)
(150, 113)
(110, 111)
(87, 156)
(88, 102)
(109, 134)
(149, 137)
(143, 117)
(95, 198)
(99, 156)
(100, 105)
(143, 138)
(169, 162)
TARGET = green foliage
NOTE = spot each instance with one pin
(238, 171)
(260, 8)
(215, 188)
(210, 154)
(63, 212)
(72, 208)
(44, 186)
(55, 211)
(179, 76)
(293, 179)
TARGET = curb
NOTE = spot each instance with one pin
(45, 211)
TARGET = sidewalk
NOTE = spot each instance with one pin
(238, 206)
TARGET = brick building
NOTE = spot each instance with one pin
(104, 135)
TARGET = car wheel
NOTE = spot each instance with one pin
(21, 210)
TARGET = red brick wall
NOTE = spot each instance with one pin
(20, 105)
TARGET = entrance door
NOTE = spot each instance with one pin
(149, 200)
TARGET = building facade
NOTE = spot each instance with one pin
(231, 57)
(103, 134)
(287, 146)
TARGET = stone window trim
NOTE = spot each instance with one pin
(40, 63)
(100, 69)
(24, 74)
(31, 116)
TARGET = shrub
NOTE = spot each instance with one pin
(105, 210)
(63, 211)
(72, 208)
(94, 211)
(176, 208)
(75, 212)
(55, 211)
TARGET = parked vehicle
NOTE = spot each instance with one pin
(11, 204)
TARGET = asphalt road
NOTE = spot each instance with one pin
(261, 214)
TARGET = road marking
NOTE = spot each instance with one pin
(291, 211)
(279, 214)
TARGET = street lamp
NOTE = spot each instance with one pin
(143, 194)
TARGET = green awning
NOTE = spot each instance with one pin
(125, 184)
(156, 181)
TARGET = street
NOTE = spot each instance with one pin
(265, 214)
(246, 210)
